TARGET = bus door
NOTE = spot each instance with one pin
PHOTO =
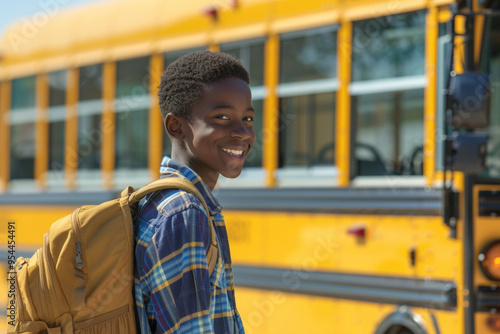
(472, 131)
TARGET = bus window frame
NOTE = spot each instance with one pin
(56, 113)
(403, 84)
(314, 175)
(395, 84)
(55, 180)
(125, 176)
(89, 179)
(21, 116)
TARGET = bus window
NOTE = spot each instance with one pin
(132, 105)
(89, 117)
(390, 126)
(388, 80)
(251, 54)
(310, 117)
(57, 116)
(22, 121)
(307, 98)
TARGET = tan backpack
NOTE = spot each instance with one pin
(81, 280)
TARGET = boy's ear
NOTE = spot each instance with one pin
(173, 125)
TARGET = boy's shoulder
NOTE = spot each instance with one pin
(172, 201)
(168, 203)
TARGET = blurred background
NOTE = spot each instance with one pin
(350, 216)
(11, 12)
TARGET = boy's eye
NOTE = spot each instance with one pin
(248, 119)
(224, 117)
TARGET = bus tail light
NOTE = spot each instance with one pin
(494, 323)
(489, 261)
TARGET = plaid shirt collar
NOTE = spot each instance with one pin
(171, 168)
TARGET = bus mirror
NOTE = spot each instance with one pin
(468, 152)
(470, 97)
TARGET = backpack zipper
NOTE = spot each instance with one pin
(78, 261)
(79, 288)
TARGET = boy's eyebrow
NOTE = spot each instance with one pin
(227, 106)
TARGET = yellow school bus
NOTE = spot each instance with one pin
(370, 201)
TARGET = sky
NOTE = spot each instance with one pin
(14, 10)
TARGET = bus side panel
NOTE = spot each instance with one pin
(31, 222)
(279, 312)
(311, 242)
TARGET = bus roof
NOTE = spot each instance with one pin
(119, 29)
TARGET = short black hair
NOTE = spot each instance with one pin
(182, 82)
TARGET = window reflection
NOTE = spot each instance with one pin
(57, 111)
(22, 137)
(254, 159)
(251, 55)
(132, 139)
(323, 140)
(307, 121)
(132, 115)
(295, 139)
(308, 124)
(89, 120)
(23, 93)
(90, 83)
(309, 57)
(56, 146)
(172, 56)
(57, 88)
(389, 133)
(132, 77)
(391, 46)
(89, 142)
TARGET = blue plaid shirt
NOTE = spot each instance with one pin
(173, 292)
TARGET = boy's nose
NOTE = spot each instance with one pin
(241, 131)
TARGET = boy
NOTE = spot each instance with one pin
(206, 105)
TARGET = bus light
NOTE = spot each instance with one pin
(494, 323)
(489, 261)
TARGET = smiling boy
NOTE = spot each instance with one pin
(206, 106)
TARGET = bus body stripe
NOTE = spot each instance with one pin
(339, 200)
(432, 294)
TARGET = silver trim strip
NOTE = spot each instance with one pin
(388, 85)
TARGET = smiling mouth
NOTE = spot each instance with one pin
(234, 153)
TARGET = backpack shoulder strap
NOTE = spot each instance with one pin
(187, 186)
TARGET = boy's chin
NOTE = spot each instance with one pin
(232, 172)
(231, 175)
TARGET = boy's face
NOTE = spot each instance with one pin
(220, 133)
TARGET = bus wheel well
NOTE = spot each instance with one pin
(401, 321)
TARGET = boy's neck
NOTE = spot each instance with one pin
(209, 178)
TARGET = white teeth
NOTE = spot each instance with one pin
(233, 152)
